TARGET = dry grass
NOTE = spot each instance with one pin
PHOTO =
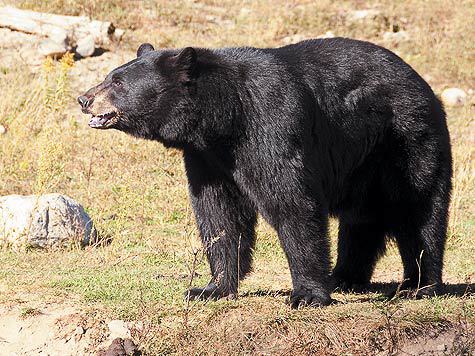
(136, 190)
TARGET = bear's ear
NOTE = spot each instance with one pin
(186, 64)
(144, 48)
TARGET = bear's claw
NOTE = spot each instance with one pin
(308, 298)
(210, 292)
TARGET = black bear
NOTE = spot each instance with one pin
(329, 127)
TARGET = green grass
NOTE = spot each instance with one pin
(27, 312)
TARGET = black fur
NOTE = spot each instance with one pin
(324, 127)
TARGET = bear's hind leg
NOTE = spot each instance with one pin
(359, 247)
(421, 241)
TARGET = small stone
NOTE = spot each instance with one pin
(211, 18)
(79, 330)
(86, 46)
(3, 130)
(121, 347)
(78, 333)
(118, 34)
(453, 97)
(118, 329)
(50, 48)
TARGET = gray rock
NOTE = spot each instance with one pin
(45, 221)
(50, 48)
(86, 46)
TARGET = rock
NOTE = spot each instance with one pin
(118, 34)
(118, 329)
(363, 15)
(453, 97)
(328, 34)
(59, 36)
(293, 38)
(50, 220)
(79, 330)
(86, 46)
(3, 130)
(50, 48)
(121, 347)
(78, 333)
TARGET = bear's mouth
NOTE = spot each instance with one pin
(103, 121)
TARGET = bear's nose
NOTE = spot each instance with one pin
(84, 101)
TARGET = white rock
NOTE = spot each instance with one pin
(118, 34)
(79, 330)
(50, 48)
(362, 15)
(118, 328)
(453, 97)
(50, 220)
(59, 35)
(86, 46)
(399, 36)
(2, 129)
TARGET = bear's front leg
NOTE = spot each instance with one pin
(302, 228)
(226, 220)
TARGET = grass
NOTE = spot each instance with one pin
(27, 312)
(137, 195)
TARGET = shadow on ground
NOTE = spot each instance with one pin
(387, 290)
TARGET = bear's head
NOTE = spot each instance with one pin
(147, 97)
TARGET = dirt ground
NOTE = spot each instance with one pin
(49, 330)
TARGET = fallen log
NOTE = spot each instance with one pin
(68, 31)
